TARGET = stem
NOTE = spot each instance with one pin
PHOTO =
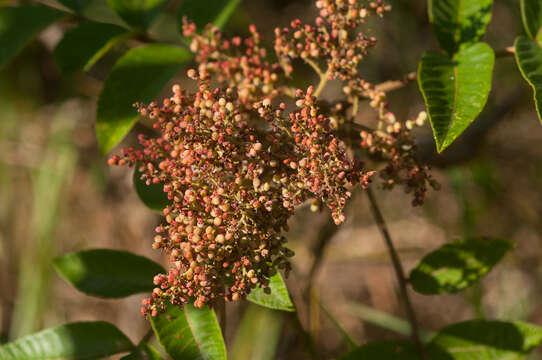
(398, 271)
(324, 76)
(147, 336)
(507, 51)
(391, 85)
(221, 310)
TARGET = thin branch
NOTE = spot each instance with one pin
(507, 51)
(398, 271)
(391, 85)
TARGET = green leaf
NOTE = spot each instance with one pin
(189, 334)
(108, 273)
(76, 5)
(20, 24)
(137, 13)
(529, 59)
(395, 350)
(81, 340)
(455, 90)
(144, 351)
(258, 334)
(488, 340)
(139, 75)
(216, 12)
(459, 22)
(278, 298)
(457, 265)
(85, 44)
(153, 195)
(531, 14)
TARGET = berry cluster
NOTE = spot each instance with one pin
(394, 145)
(335, 37)
(236, 161)
(233, 183)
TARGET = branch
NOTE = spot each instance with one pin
(398, 271)
(391, 85)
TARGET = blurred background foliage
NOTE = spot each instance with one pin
(58, 195)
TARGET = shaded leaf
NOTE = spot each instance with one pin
(85, 44)
(458, 22)
(189, 334)
(529, 60)
(457, 265)
(108, 273)
(395, 350)
(531, 14)
(76, 5)
(20, 24)
(455, 90)
(216, 12)
(137, 13)
(153, 195)
(139, 75)
(81, 340)
(488, 340)
(278, 299)
(257, 335)
(144, 351)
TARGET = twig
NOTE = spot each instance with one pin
(507, 51)
(325, 233)
(391, 85)
(398, 271)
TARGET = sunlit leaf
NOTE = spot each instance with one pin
(138, 76)
(19, 24)
(278, 299)
(85, 44)
(190, 334)
(455, 89)
(81, 340)
(459, 22)
(216, 12)
(457, 265)
(108, 273)
(529, 60)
